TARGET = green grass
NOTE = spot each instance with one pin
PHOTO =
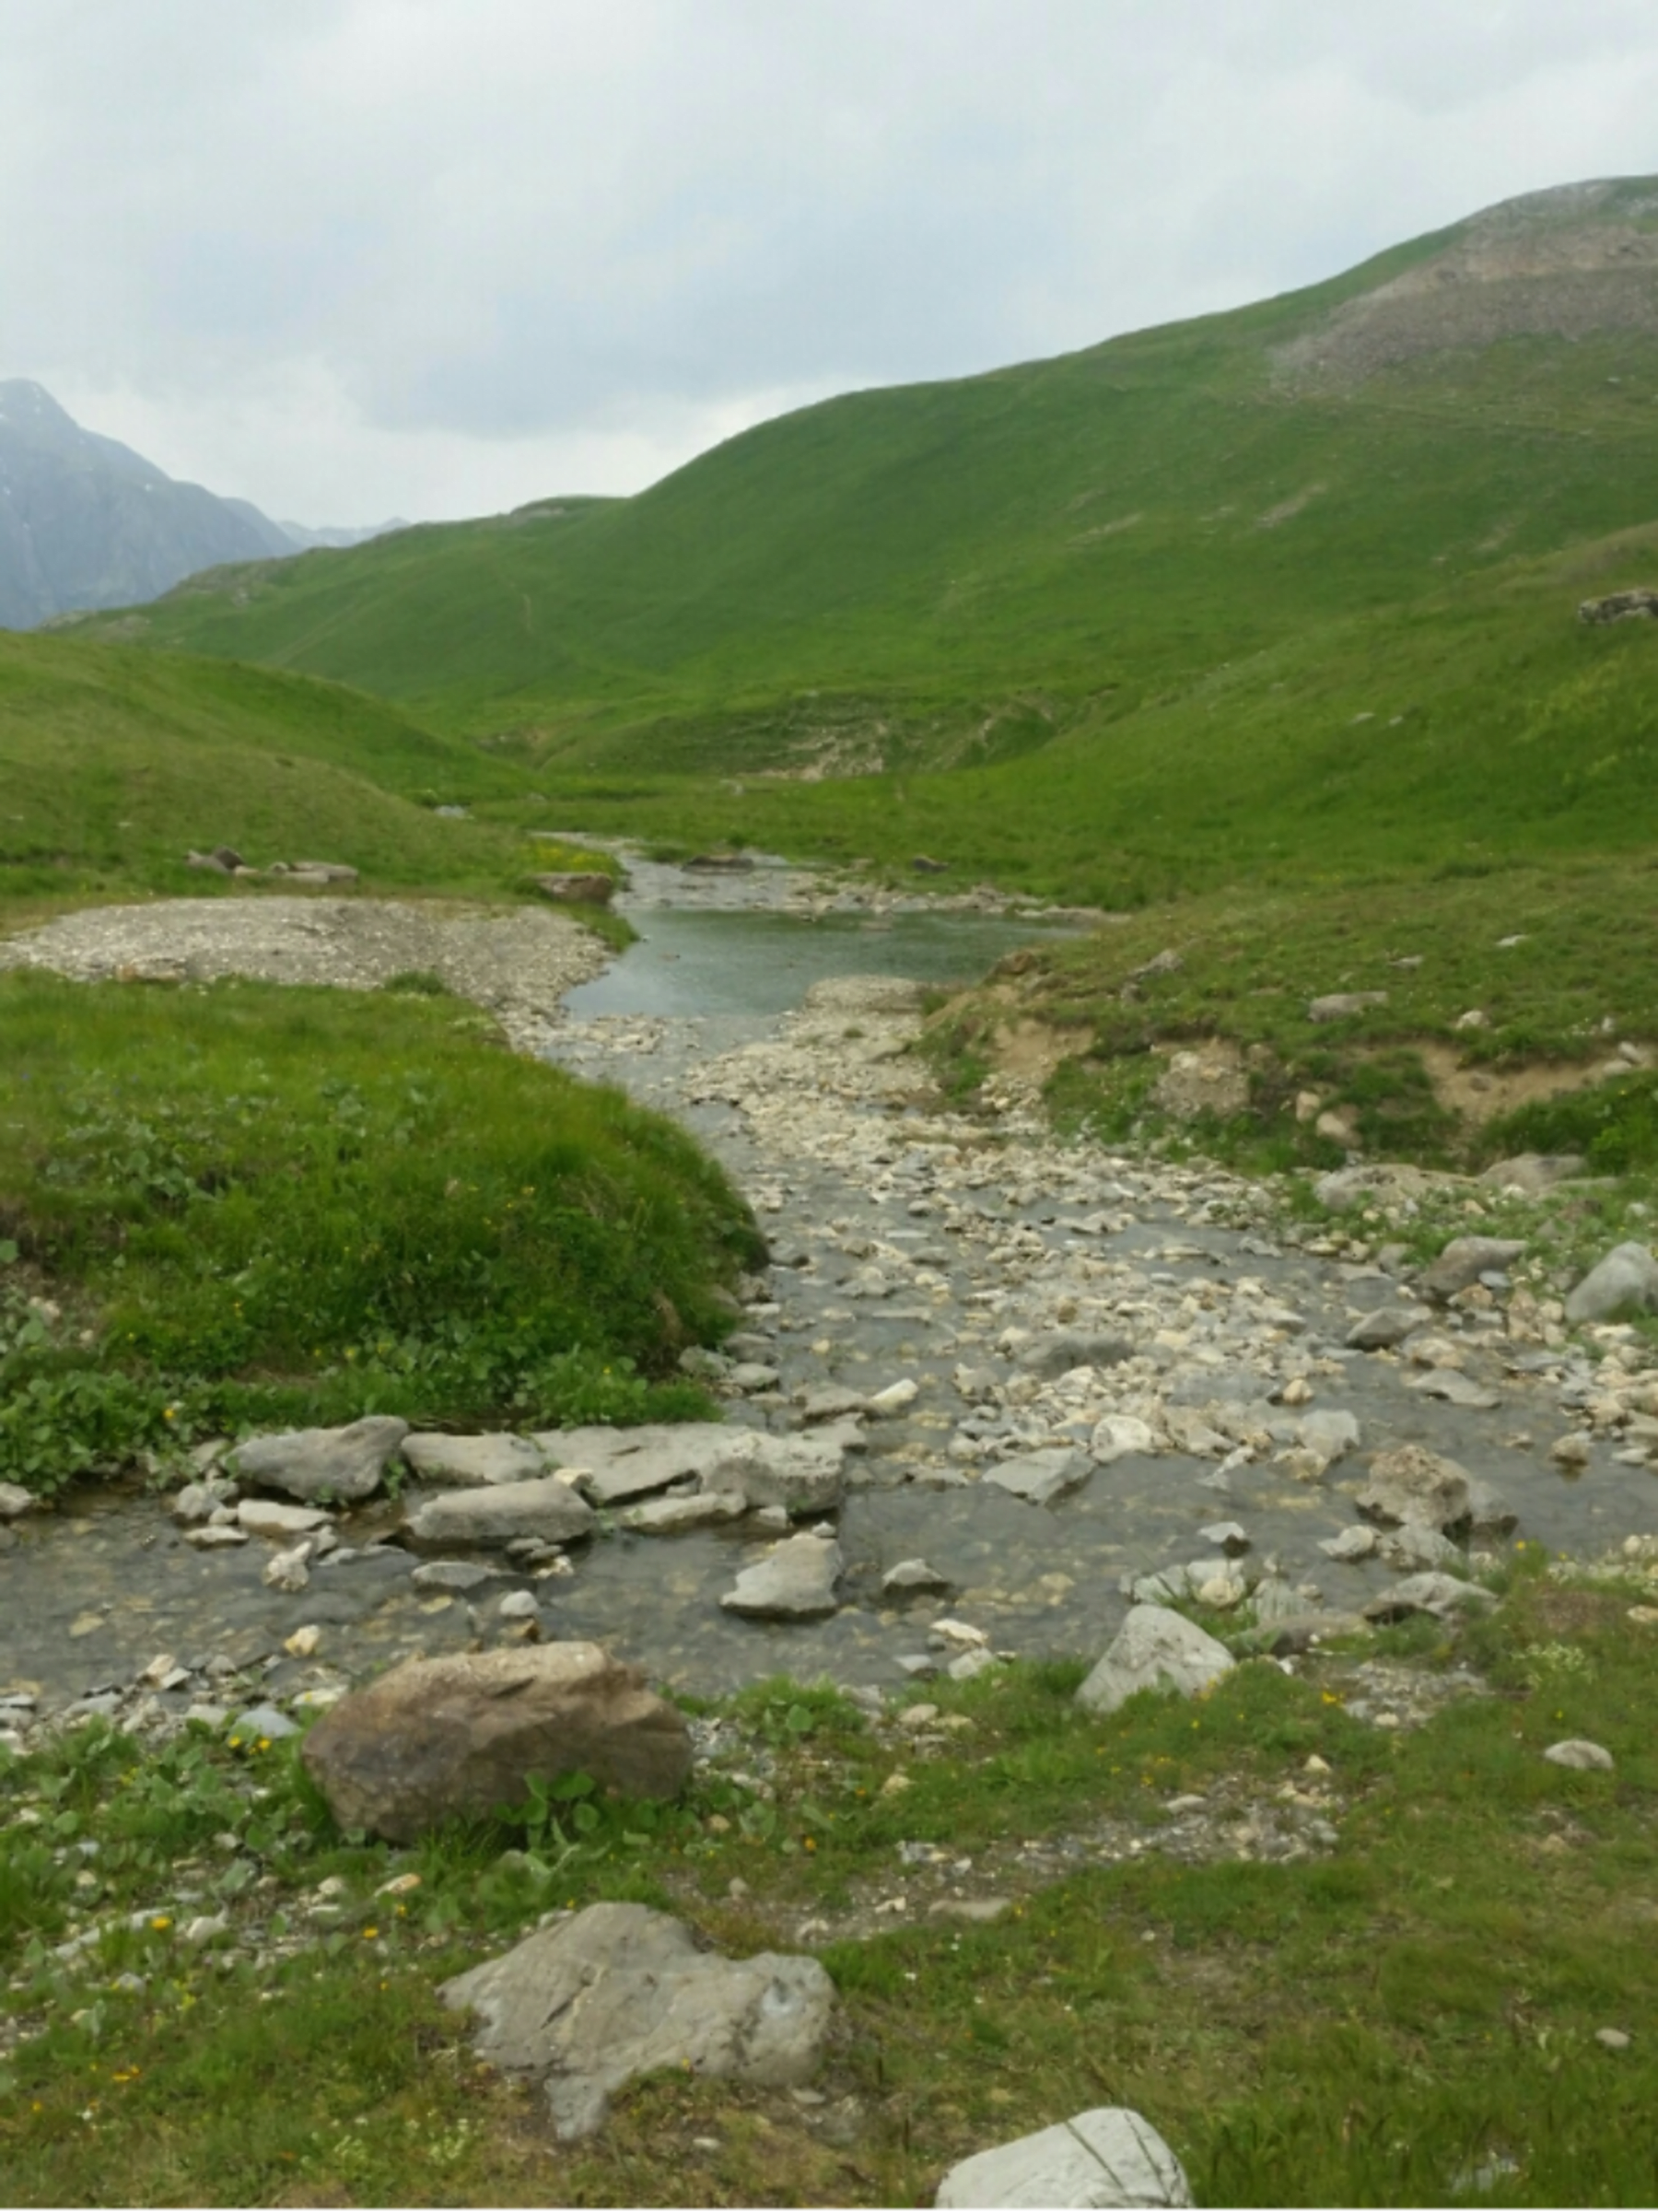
(114, 764)
(1580, 977)
(253, 1205)
(1370, 2025)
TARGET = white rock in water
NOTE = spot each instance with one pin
(1107, 2157)
(14, 1500)
(1117, 1436)
(796, 1581)
(289, 1570)
(894, 1399)
(1040, 1477)
(1154, 1649)
(264, 1516)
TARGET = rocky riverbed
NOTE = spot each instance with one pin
(1036, 1380)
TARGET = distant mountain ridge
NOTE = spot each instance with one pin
(86, 524)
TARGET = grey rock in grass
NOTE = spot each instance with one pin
(344, 1464)
(1626, 1280)
(1414, 1484)
(15, 1501)
(548, 1507)
(1336, 1005)
(1106, 2156)
(1060, 1350)
(1040, 1477)
(1409, 1548)
(473, 1459)
(440, 1739)
(796, 1581)
(1441, 1595)
(620, 1990)
(1388, 1326)
(1534, 1173)
(263, 1720)
(1154, 1649)
(1464, 1259)
(1580, 1754)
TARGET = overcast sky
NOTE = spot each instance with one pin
(352, 258)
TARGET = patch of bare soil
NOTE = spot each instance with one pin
(1480, 1094)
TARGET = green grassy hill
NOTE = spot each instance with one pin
(114, 763)
(956, 573)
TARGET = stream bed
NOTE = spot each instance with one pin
(912, 1245)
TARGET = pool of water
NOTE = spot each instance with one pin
(763, 963)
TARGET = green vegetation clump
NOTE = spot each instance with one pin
(1406, 2012)
(255, 1205)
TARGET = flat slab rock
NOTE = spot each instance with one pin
(1041, 1477)
(1107, 2157)
(796, 1581)
(342, 1464)
(439, 1739)
(473, 1459)
(616, 1466)
(620, 1990)
(500, 1513)
(1154, 1649)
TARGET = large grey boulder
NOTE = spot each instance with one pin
(1417, 1485)
(620, 1990)
(1041, 1477)
(1107, 2157)
(473, 1459)
(1625, 1281)
(452, 1738)
(342, 1464)
(795, 1582)
(548, 1507)
(1154, 1649)
(1464, 1259)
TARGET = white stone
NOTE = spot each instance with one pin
(1154, 1649)
(1106, 2156)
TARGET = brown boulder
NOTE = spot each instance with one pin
(440, 1739)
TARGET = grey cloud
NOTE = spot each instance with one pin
(512, 221)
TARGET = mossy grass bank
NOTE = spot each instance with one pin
(250, 1205)
(1410, 2012)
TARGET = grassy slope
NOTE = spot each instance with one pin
(114, 763)
(1056, 541)
(256, 1205)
